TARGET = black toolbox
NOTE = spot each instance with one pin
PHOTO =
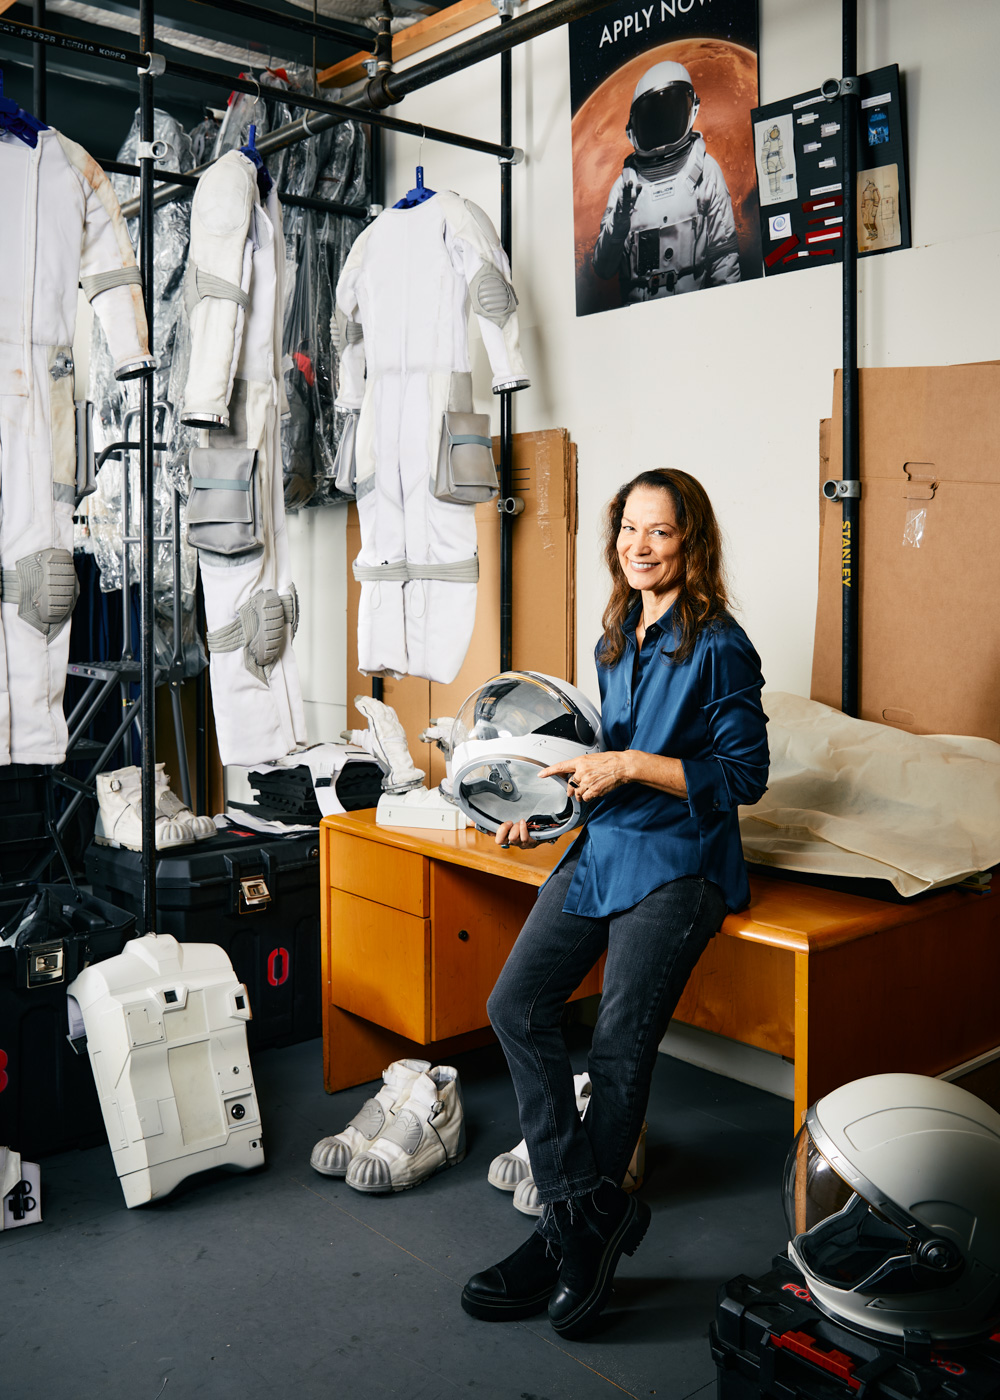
(257, 897)
(48, 1101)
(771, 1342)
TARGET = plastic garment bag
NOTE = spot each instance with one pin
(116, 407)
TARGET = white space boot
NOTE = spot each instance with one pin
(385, 740)
(510, 1168)
(168, 804)
(425, 1136)
(525, 1195)
(119, 815)
(332, 1155)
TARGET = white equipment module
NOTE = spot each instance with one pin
(165, 1026)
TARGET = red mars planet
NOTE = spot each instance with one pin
(725, 78)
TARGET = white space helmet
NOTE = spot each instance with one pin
(664, 108)
(516, 724)
(892, 1198)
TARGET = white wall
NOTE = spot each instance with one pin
(729, 384)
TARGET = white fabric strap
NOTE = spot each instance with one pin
(104, 281)
(461, 571)
(208, 285)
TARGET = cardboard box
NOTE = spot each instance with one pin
(544, 593)
(929, 551)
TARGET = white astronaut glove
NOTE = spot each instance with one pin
(627, 197)
(385, 740)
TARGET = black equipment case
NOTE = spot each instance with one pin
(771, 1342)
(257, 897)
(48, 1101)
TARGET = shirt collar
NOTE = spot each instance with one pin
(659, 626)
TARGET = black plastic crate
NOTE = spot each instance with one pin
(48, 1102)
(771, 1342)
(211, 892)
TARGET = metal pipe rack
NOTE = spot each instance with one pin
(367, 110)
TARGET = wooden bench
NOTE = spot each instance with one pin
(416, 926)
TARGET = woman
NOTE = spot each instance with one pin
(650, 879)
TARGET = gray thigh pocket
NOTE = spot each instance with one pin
(465, 473)
(222, 507)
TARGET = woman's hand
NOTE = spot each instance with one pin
(516, 834)
(593, 774)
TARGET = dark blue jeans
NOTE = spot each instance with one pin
(652, 949)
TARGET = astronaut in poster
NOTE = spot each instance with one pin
(665, 198)
(668, 226)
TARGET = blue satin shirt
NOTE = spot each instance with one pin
(706, 712)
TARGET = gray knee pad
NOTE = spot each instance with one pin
(44, 586)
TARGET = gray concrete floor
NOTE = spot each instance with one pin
(284, 1283)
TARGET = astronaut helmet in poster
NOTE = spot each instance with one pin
(663, 112)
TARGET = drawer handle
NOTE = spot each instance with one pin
(463, 935)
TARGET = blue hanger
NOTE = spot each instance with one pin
(17, 121)
(264, 182)
(417, 195)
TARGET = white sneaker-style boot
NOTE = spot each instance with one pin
(168, 804)
(509, 1169)
(332, 1155)
(385, 740)
(119, 814)
(426, 1135)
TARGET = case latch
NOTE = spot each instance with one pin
(45, 963)
(254, 894)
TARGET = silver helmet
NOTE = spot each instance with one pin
(663, 111)
(506, 732)
(892, 1198)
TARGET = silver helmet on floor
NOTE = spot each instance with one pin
(892, 1197)
(507, 731)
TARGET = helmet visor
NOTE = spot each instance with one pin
(510, 790)
(514, 705)
(843, 1240)
(662, 118)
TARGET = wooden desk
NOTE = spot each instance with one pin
(417, 924)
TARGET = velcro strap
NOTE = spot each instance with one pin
(208, 285)
(381, 573)
(10, 586)
(462, 571)
(218, 483)
(231, 637)
(461, 438)
(104, 281)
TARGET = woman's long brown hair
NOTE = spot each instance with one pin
(703, 598)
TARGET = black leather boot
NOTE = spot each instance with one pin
(519, 1286)
(594, 1232)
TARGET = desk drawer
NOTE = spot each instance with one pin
(373, 870)
(476, 919)
(379, 962)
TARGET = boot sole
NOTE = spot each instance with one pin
(626, 1240)
(388, 1189)
(503, 1310)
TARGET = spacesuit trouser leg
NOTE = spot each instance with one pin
(257, 720)
(37, 444)
(381, 433)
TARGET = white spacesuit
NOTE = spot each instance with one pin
(668, 226)
(61, 229)
(402, 306)
(235, 512)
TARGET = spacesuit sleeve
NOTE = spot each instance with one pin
(722, 248)
(347, 332)
(108, 272)
(475, 249)
(218, 287)
(610, 244)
